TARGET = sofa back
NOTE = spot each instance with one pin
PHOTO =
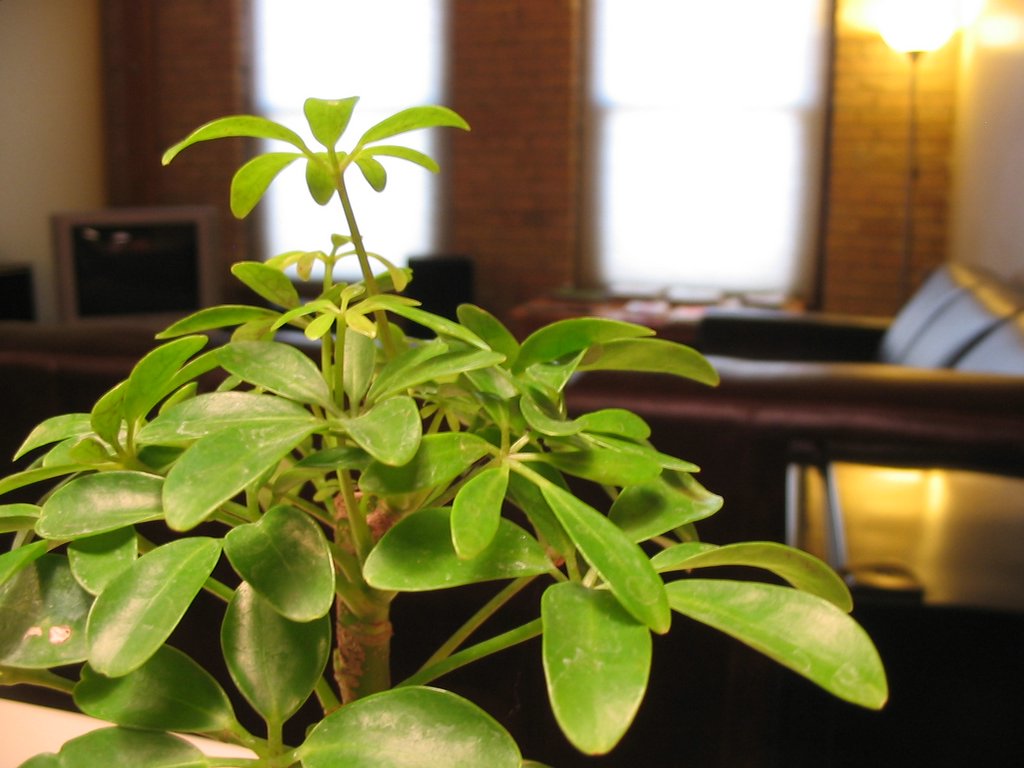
(955, 309)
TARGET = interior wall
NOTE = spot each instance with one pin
(987, 226)
(51, 152)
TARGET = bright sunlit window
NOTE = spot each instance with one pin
(387, 52)
(706, 142)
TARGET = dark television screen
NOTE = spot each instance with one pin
(127, 270)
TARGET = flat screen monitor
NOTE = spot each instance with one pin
(133, 262)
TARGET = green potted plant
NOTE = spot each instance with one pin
(311, 490)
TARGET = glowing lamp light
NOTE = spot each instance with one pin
(914, 26)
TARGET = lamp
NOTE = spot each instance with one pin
(914, 27)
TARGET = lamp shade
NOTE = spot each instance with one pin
(910, 26)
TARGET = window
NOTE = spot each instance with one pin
(706, 142)
(388, 53)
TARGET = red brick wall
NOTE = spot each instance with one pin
(864, 235)
(515, 76)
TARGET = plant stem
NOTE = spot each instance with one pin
(362, 658)
(476, 620)
(476, 652)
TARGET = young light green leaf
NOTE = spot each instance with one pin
(213, 411)
(285, 557)
(803, 571)
(657, 506)
(44, 614)
(278, 367)
(374, 173)
(650, 356)
(597, 659)
(439, 460)
(274, 662)
(618, 560)
(170, 692)
(98, 560)
(320, 181)
(250, 126)
(101, 502)
(328, 118)
(476, 512)
(250, 182)
(390, 431)
(417, 555)
(412, 119)
(800, 631)
(217, 317)
(54, 430)
(129, 748)
(360, 363)
(566, 337)
(490, 329)
(267, 282)
(217, 467)
(403, 153)
(153, 377)
(140, 608)
(411, 727)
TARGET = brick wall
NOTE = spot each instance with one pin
(866, 192)
(514, 74)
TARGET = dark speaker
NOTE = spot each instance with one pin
(441, 282)
(16, 298)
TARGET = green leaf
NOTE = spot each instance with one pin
(607, 467)
(108, 413)
(650, 356)
(653, 508)
(597, 659)
(170, 692)
(476, 512)
(390, 431)
(278, 367)
(444, 366)
(141, 607)
(54, 430)
(286, 558)
(528, 497)
(127, 748)
(98, 560)
(101, 502)
(20, 557)
(238, 126)
(273, 661)
(217, 467)
(442, 326)
(44, 614)
(800, 631)
(567, 337)
(30, 476)
(803, 571)
(211, 412)
(319, 182)
(217, 317)
(153, 377)
(267, 282)
(417, 555)
(413, 119)
(397, 371)
(490, 329)
(18, 517)
(328, 118)
(374, 173)
(360, 363)
(544, 417)
(617, 559)
(615, 421)
(250, 182)
(410, 727)
(439, 460)
(403, 153)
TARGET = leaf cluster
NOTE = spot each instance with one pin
(322, 464)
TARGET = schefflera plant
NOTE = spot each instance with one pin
(334, 477)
